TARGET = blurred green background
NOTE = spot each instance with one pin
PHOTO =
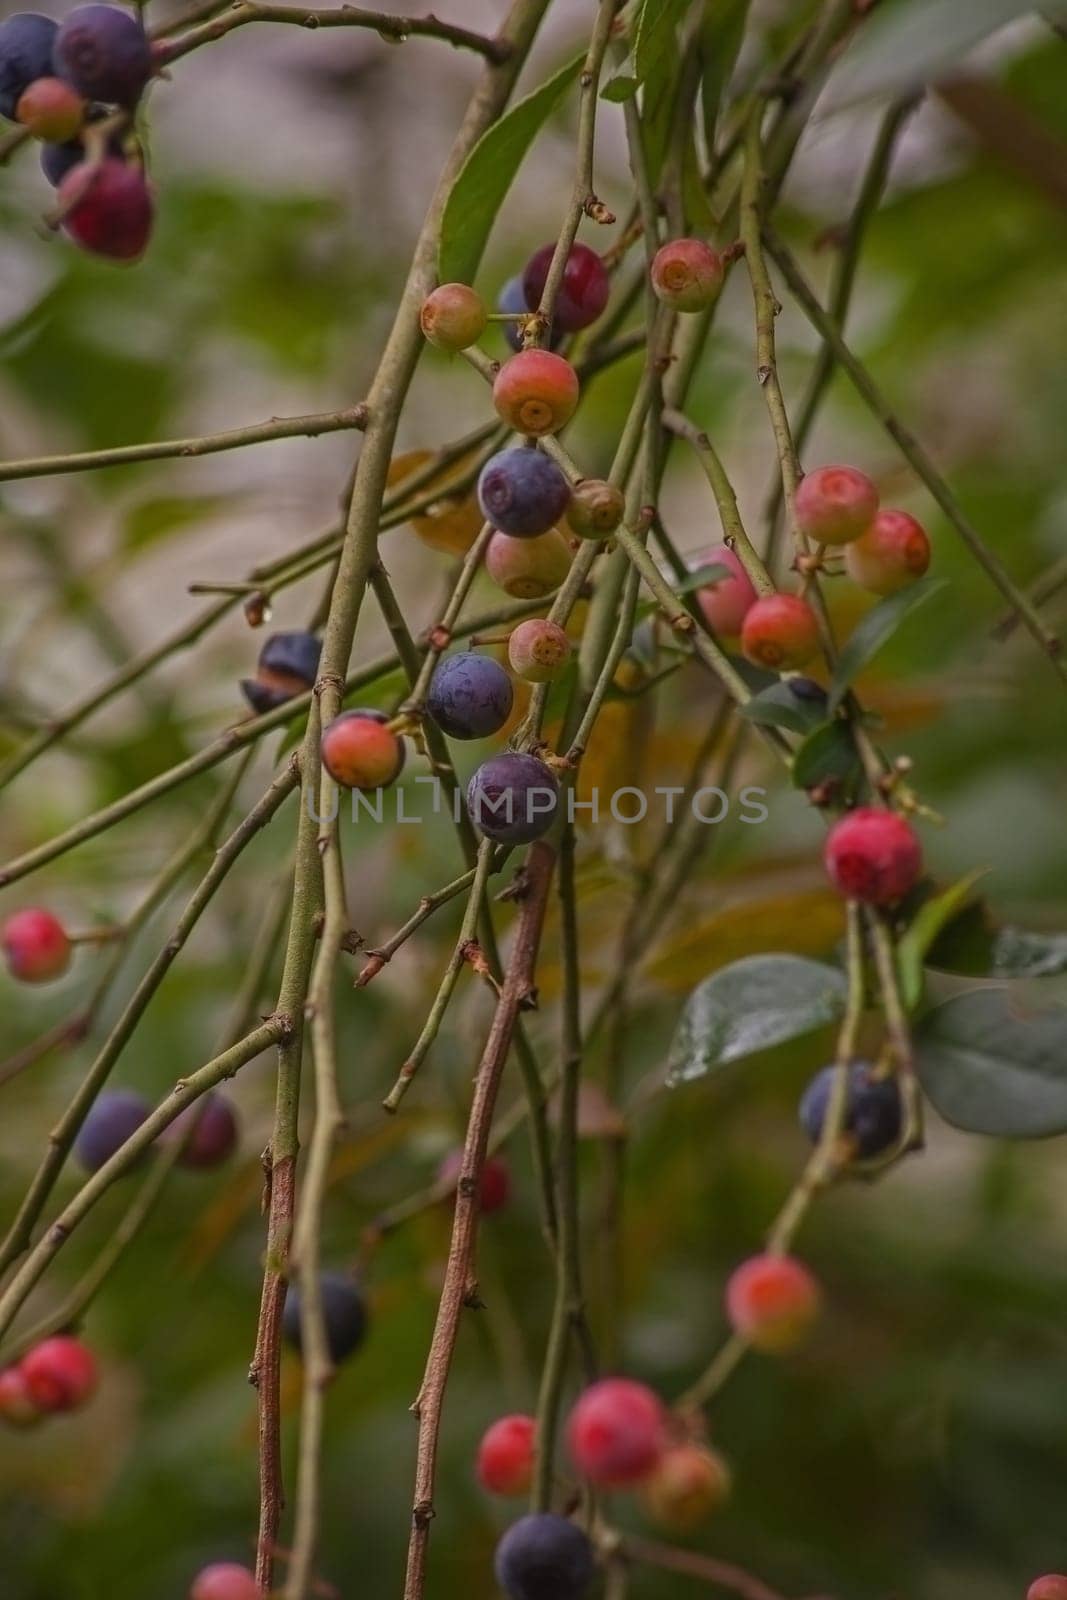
(918, 1446)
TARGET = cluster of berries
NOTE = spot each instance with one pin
(59, 1374)
(75, 86)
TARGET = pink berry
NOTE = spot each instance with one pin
(617, 1432)
(51, 110)
(225, 1580)
(780, 631)
(108, 209)
(583, 293)
(893, 553)
(35, 945)
(536, 392)
(506, 1455)
(689, 1483)
(453, 317)
(726, 601)
(1053, 1586)
(495, 1190)
(60, 1374)
(359, 751)
(687, 275)
(835, 505)
(528, 569)
(596, 508)
(772, 1301)
(873, 855)
(538, 650)
(17, 1405)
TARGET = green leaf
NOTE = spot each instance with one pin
(655, 38)
(699, 578)
(931, 919)
(778, 707)
(752, 1005)
(620, 88)
(827, 753)
(721, 33)
(1018, 954)
(488, 173)
(908, 45)
(876, 629)
(993, 1063)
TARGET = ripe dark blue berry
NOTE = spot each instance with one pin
(470, 696)
(104, 52)
(583, 294)
(513, 798)
(873, 1113)
(808, 690)
(544, 1557)
(523, 493)
(112, 1120)
(344, 1311)
(288, 665)
(26, 41)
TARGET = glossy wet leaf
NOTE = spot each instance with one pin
(994, 1062)
(828, 754)
(928, 923)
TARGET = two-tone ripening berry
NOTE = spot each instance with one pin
(538, 650)
(35, 945)
(687, 275)
(873, 1117)
(513, 798)
(596, 509)
(51, 110)
(114, 1117)
(470, 696)
(105, 53)
(288, 665)
(108, 209)
(583, 291)
(544, 1557)
(344, 1313)
(505, 1463)
(453, 317)
(617, 1432)
(536, 392)
(26, 42)
(892, 554)
(528, 569)
(726, 602)
(772, 1301)
(60, 1374)
(213, 1136)
(17, 1405)
(360, 751)
(523, 493)
(494, 1187)
(835, 505)
(59, 159)
(687, 1486)
(780, 631)
(873, 855)
(1053, 1586)
(225, 1580)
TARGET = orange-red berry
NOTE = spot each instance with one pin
(538, 650)
(780, 631)
(617, 1432)
(51, 110)
(873, 855)
(60, 1374)
(772, 1301)
(689, 1484)
(528, 569)
(687, 275)
(360, 752)
(536, 392)
(506, 1455)
(726, 602)
(893, 553)
(453, 317)
(834, 505)
(35, 945)
(596, 508)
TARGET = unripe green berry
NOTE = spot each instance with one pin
(687, 275)
(536, 392)
(596, 509)
(539, 650)
(453, 317)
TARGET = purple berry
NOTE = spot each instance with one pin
(470, 696)
(214, 1136)
(113, 1119)
(104, 52)
(288, 665)
(58, 159)
(513, 798)
(26, 41)
(873, 1114)
(583, 294)
(344, 1311)
(544, 1557)
(523, 493)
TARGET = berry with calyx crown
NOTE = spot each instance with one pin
(60, 1374)
(873, 855)
(835, 505)
(772, 1301)
(536, 392)
(453, 317)
(689, 1484)
(26, 41)
(874, 1114)
(344, 1312)
(780, 631)
(470, 696)
(35, 945)
(359, 750)
(539, 650)
(505, 1462)
(513, 798)
(544, 1557)
(617, 1432)
(726, 602)
(596, 509)
(112, 1119)
(528, 569)
(687, 275)
(108, 209)
(522, 492)
(105, 53)
(583, 292)
(892, 554)
(51, 110)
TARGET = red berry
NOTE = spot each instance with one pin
(213, 1140)
(687, 275)
(772, 1301)
(583, 293)
(35, 945)
(617, 1432)
(689, 1483)
(1052, 1586)
(225, 1580)
(17, 1405)
(726, 601)
(596, 508)
(894, 552)
(780, 631)
(536, 392)
(51, 110)
(107, 208)
(538, 650)
(60, 1374)
(528, 569)
(873, 855)
(453, 317)
(360, 752)
(835, 504)
(506, 1455)
(495, 1190)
